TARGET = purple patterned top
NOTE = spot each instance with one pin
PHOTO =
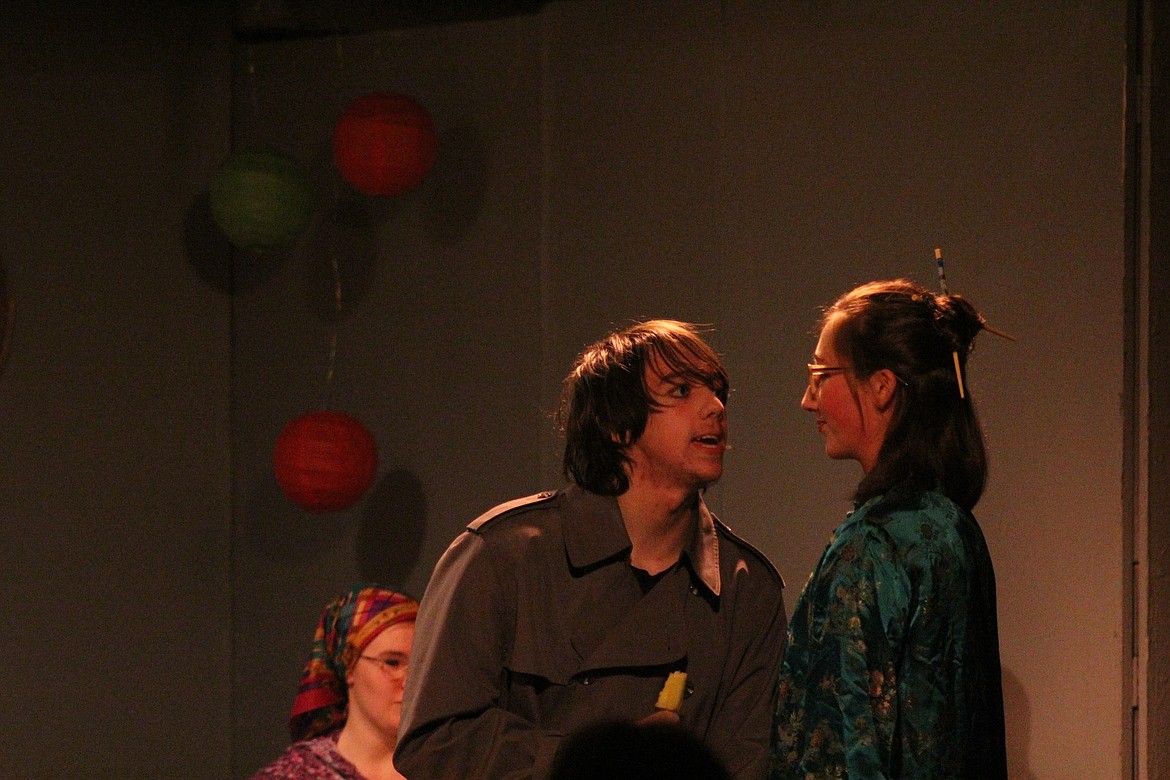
(311, 759)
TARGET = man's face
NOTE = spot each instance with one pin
(685, 436)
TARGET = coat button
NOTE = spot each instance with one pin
(586, 681)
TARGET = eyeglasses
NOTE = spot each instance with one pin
(395, 666)
(818, 372)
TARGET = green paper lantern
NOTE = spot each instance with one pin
(261, 200)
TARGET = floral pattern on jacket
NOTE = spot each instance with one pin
(892, 664)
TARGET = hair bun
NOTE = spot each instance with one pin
(959, 321)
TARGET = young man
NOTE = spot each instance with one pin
(552, 612)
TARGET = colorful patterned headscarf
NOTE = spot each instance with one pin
(348, 624)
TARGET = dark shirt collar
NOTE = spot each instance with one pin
(594, 533)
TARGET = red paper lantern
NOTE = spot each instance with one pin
(384, 144)
(325, 461)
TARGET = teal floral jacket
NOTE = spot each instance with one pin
(892, 664)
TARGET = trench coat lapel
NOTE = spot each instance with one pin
(613, 625)
(652, 632)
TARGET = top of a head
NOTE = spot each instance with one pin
(901, 326)
(605, 402)
(669, 347)
(366, 610)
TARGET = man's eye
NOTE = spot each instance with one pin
(393, 663)
(680, 391)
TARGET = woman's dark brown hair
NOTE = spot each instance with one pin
(934, 440)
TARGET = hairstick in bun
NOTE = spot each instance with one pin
(942, 281)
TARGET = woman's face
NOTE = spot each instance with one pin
(376, 679)
(846, 411)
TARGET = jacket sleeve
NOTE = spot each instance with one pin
(453, 724)
(859, 601)
(742, 726)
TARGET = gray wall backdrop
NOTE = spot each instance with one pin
(734, 163)
(114, 403)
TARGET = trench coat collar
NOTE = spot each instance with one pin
(594, 532)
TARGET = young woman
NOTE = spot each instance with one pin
(892, 664)
(344, 721)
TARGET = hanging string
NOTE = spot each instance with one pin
(251, 65)
(333, 264)
(333, 328)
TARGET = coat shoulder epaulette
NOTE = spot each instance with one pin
(510, 507)
(726, 531)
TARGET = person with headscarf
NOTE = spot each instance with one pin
(344, 721)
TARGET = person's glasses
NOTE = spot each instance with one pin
(818, 372)
(395, 666)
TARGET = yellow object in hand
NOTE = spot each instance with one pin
(670, 697)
